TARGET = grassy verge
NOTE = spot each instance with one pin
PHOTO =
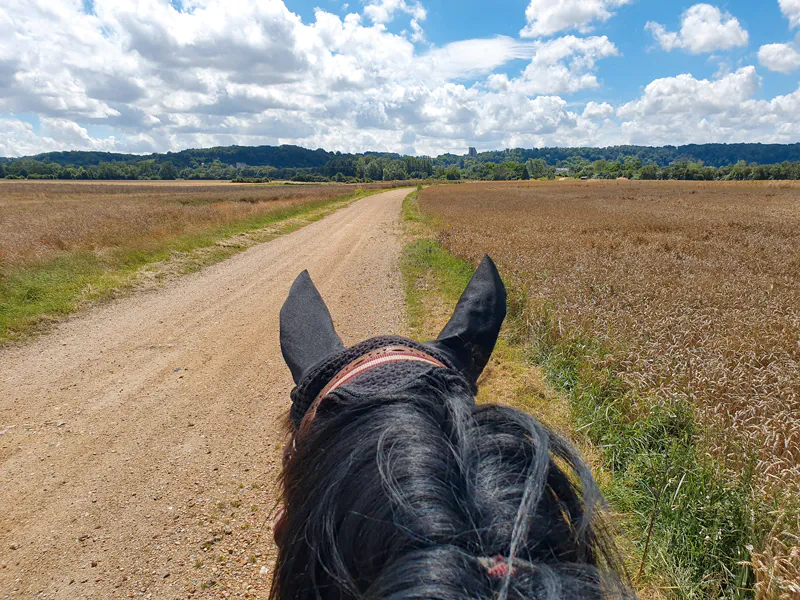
(36, 294)
(685, 523)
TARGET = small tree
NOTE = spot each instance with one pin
(650, 172)
(168, 171)
(538, 168)
(373, 170)
(452, 173)
(394, 171)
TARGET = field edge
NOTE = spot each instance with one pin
(36, 297)
(592, 408)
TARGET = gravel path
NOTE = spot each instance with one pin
(140, 441)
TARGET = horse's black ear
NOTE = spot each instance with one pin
(470, 335)
(307, 333)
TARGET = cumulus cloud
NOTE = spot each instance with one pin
(683, 109)
(164, 76)
(546, 17)
(155, 75)
(791, 9)
(749, 121)
(19, 137)
(704, 28)
(383, 11)
(598, 110)
(779, 57)
(685, 95)
(559, 66)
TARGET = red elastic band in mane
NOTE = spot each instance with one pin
(497, 567)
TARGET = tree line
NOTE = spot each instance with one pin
(390, 167)
(289, 156)
(343, 168)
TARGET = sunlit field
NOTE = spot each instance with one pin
(648, 299)
(39, 220)
(62, 244)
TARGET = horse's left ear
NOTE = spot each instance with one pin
(307, 333)
(470, 335)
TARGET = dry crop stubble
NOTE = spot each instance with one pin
(696, 284)
(693, 287)
(63, 245)
(41, 219)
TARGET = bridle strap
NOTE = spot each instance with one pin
(367, 362)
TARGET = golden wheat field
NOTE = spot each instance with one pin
(42, 219)
(695, 287)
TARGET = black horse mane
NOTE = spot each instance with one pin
(417, 492)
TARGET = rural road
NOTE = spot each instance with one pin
(141, 440)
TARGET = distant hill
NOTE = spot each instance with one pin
(272, 156)
(286, 156)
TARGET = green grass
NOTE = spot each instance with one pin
(37, 293)
(702, 519)
(422, 257)
(649, 461)
(452, 277)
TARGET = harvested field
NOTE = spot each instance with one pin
(695, 285)
(65, 245)
(39, 220)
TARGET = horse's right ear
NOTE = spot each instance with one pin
(307, 333)
(469, 337)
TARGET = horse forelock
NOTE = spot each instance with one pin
(412, 491)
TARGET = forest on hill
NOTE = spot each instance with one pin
(262, 163)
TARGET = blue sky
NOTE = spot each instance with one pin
(417, 76)
(641, 60)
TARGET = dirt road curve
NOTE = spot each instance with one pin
(141, 441)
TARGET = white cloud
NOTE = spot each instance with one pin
(559, 66)
(471, 58)
(19, 137)
(383, 11)
(683, 109)
(160, 76)
(779, 57)
(704, 28)
(791, 9)
(596, 110)
(687, 96)
(70, 133)
(766, 121)
(546, 17)
(417, 33)
(783, 58)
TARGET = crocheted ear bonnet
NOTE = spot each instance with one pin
(317, 357)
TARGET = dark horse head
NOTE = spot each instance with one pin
(397, 485)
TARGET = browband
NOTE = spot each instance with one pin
(367, 362)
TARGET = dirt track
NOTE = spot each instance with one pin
(140, 442)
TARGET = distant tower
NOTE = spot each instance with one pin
(472, 152)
